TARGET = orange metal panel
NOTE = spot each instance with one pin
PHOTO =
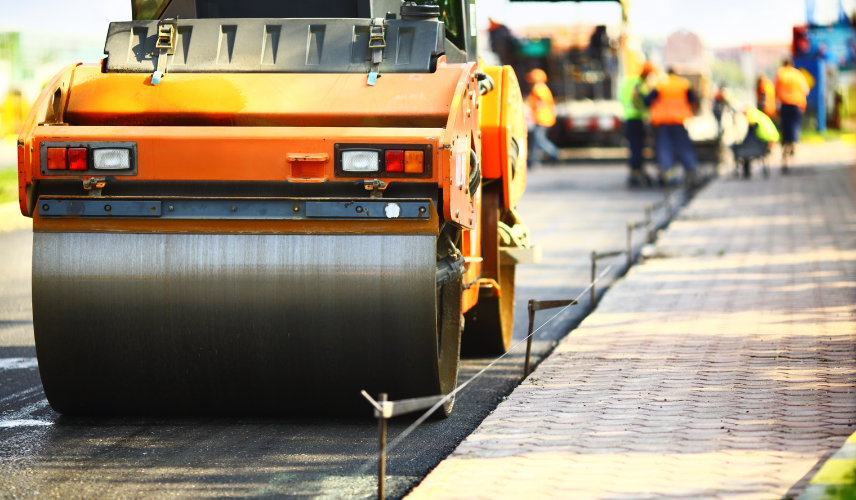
(262, 99)
(46, 107)
(237, 153)
(461, 134)
(489, 118)
(513, 124)
(501, 119)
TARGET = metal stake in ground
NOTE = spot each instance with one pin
(593, 275)
(629, 245)
(385, 410)
(381, 461)
(594, 258)
(540, 305)
(649, 209)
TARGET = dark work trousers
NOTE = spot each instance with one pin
(634, 130)
(675, 139)
(791, 117)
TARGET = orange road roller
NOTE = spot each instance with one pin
(261, 207)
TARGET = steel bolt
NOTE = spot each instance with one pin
(296, 208)
(171, 208)
(107, 208)
(234, 208)
(46, 207)
(422, 210)
(359, 210)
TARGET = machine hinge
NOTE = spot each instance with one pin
(376, 186)
(94, 185)
(164, 47)
(377, 42)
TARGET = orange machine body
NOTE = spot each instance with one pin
(280, 128)
(504, 134)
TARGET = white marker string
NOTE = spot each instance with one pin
(443, 401)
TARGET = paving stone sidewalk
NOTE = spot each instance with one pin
(723, 368)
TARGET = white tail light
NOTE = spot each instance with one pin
(360, 161)
(111, 159)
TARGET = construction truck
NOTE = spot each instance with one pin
(583, 65)
(261, 207)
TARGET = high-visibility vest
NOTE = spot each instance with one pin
(766, 130)
(767, 91)
(791, 87)
(671, 106)
(542, 105)
(634, 109)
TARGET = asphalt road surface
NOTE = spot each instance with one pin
(571, 211)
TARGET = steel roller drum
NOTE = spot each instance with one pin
(233, 324)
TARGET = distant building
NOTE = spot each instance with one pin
(767, 58)
(684, 48)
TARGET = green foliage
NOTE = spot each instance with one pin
(8, 185)
(729, 72)
(844, 491)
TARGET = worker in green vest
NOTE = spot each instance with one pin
(632, 92)
(762, 131)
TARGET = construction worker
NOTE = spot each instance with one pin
(633, 90)
(670, 105)
(765, 94)
(543, 115)
(720, 102)
(791, 92)
(762, 131)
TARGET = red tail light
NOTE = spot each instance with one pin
(394, 160)
(77, 159)
(593, 124)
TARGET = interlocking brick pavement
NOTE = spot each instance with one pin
(722, 368)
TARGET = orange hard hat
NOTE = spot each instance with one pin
(536, 76)
(648, 68)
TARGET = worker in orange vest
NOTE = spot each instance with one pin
(543, 115)
(765, 94)
(670, 105)
(791, 91)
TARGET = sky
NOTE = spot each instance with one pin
(721, 23)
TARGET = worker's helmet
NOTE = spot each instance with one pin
(648, 68)
(536, 76)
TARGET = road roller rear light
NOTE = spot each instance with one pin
(111, 159)
(360, 161)
(57, 159)
(414, 162)
(77, 159)
(394, 160)
(383, 160)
